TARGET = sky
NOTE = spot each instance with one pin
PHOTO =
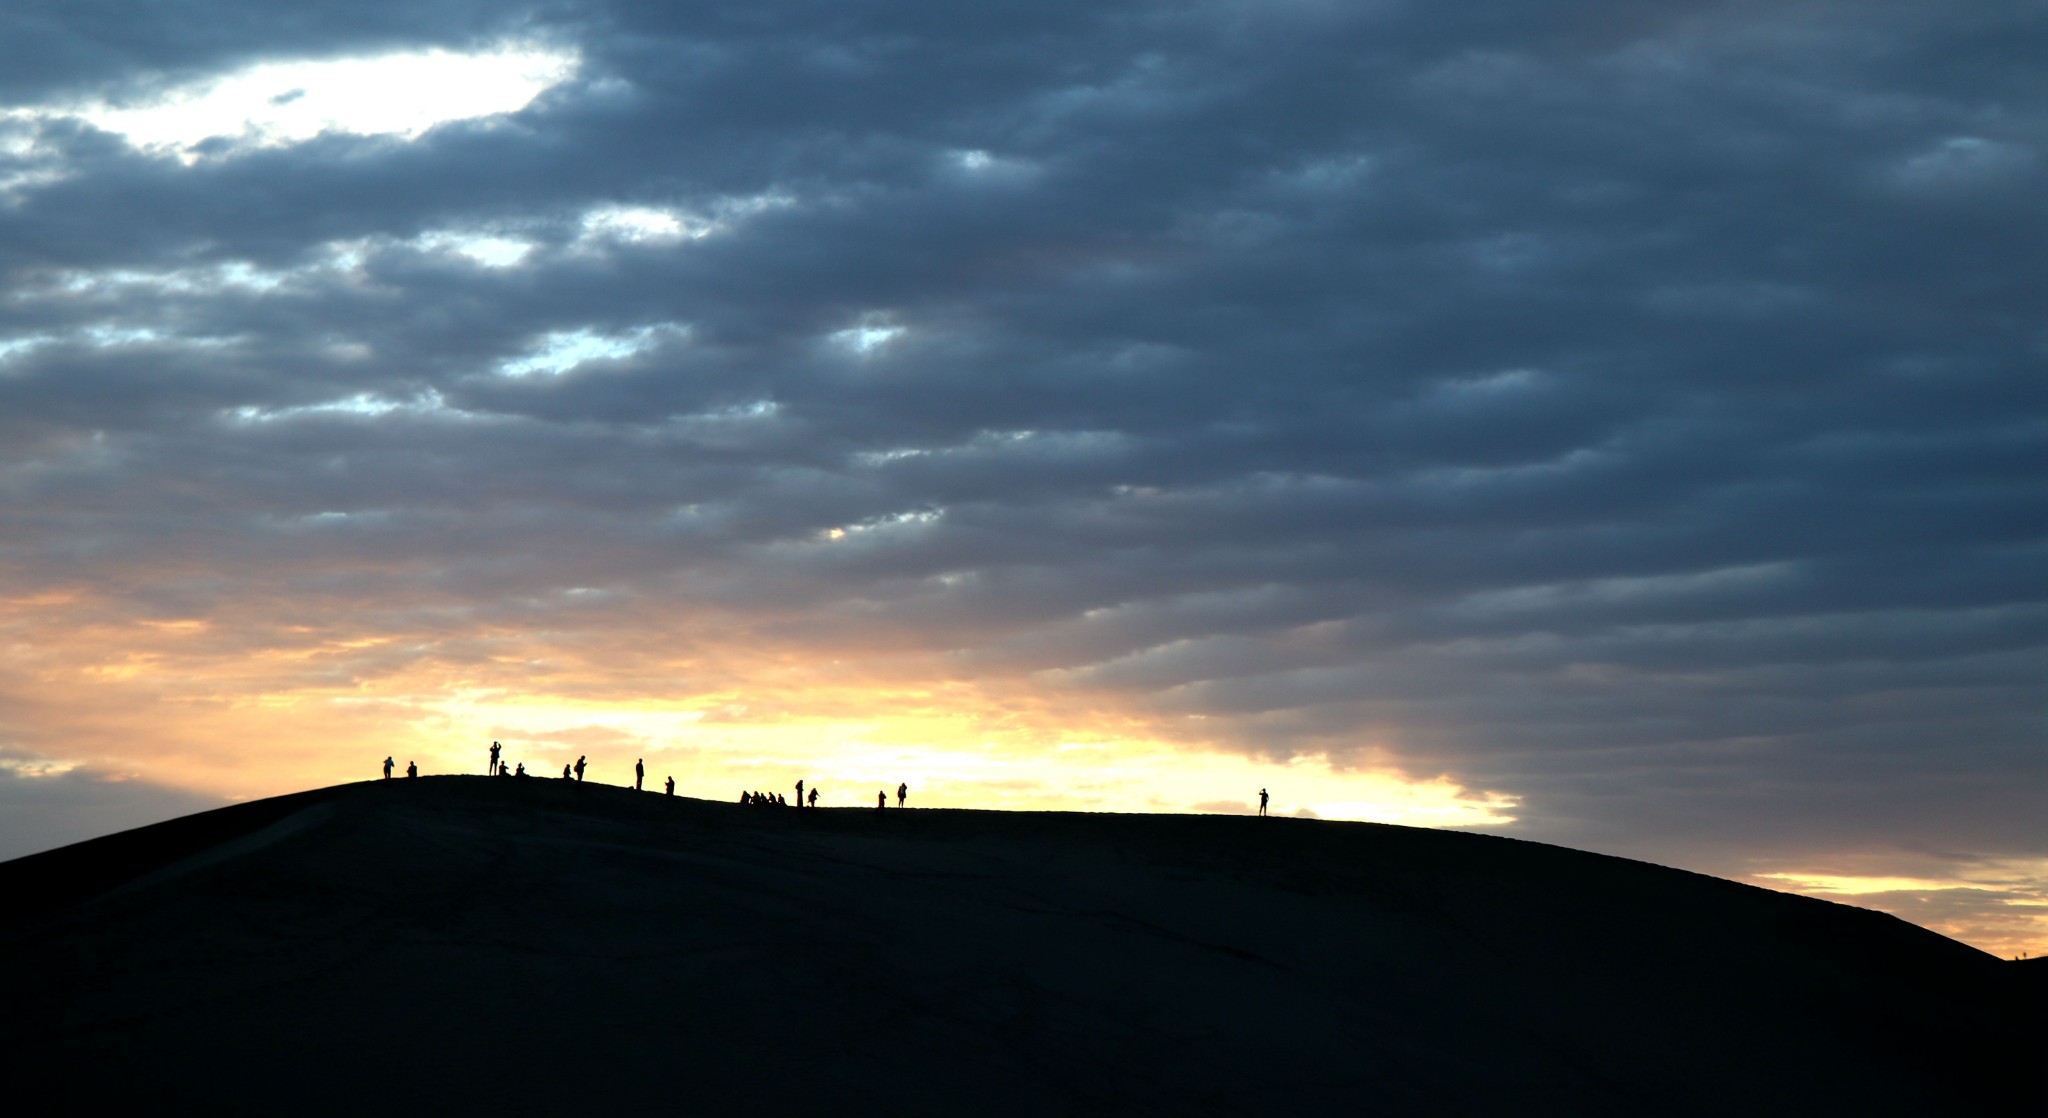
(1615, 425)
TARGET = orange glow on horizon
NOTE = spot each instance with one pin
(1999, 906)
(248, 710)
(244, 705)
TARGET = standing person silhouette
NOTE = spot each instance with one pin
(387, 768)
(814, 795)
(493, 770)
(579, 770)
(881, 800)
(639, 774)
(902, 794)
(799, 793)
(671, 786)
(1262, 801)
(412, 770)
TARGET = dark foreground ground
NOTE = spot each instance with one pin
(472, 946)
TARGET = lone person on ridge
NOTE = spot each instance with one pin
(639, 774)
(671, 786)
(1262, 801)
(493, 770)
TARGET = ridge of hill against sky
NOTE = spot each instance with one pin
(1618, 425)
(540, 946)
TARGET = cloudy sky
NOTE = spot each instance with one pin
(1617, 425)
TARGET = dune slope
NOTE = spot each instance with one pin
(541, 947)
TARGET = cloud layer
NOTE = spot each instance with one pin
(1638, 416)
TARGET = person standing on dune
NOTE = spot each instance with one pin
(493, 770)
(639, 774)
(902, 794)
(412, 770)
(799, 793)
(387, 768)
(579, 770)
(1262, 801)
(814, 795)
(882, 800)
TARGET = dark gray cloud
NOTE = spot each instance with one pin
(1638, 413)
(45, 810)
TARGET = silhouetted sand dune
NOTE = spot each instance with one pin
(498, 946)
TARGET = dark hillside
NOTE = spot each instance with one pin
(471, 945)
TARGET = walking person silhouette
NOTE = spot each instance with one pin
(639, 774)
(814, 795)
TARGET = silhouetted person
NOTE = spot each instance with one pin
(387, 768)
(639, 774)
(1262, 801)
(814, 797)
(671, 786)
(522, 771)
(881, 800)
(746, 797)
(493, 771)
(902, 794)
(412, 770)
(799, 793)
(579, 770)
(565, 770)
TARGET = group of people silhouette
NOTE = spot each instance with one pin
(774, 799)
(752, 799)
(569, 772)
